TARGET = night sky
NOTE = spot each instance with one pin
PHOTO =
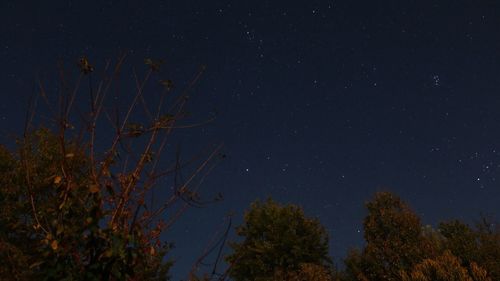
(320, 103)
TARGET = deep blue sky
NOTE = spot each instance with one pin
(321, 103)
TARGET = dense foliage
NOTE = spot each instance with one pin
(398, 247)
(55, 226)
(75, 204)
(278, 241)
(445, 267)
(394, 240)
(54, 220)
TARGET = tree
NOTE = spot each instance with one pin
(480, 245)
(75, 209)
(355, 267)
(306, 271)
(488, 234)
(278, 241)
(460, 240)
(394, 241)
(445, 267)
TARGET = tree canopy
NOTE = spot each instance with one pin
(55, 220)
(398, 247)
(278, 241)
(71, 209)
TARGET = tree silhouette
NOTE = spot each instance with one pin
(74, 208)
(278, 242)
(445, 267)
(394, 241)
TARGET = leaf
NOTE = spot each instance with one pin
(60, 229)
(57, 180)
(155, 65)
(108, 253)
(167, 83)
(94, 188)
(164, 119)
(85, 66)
(148, 157)
(134, 129)
(54, 245)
